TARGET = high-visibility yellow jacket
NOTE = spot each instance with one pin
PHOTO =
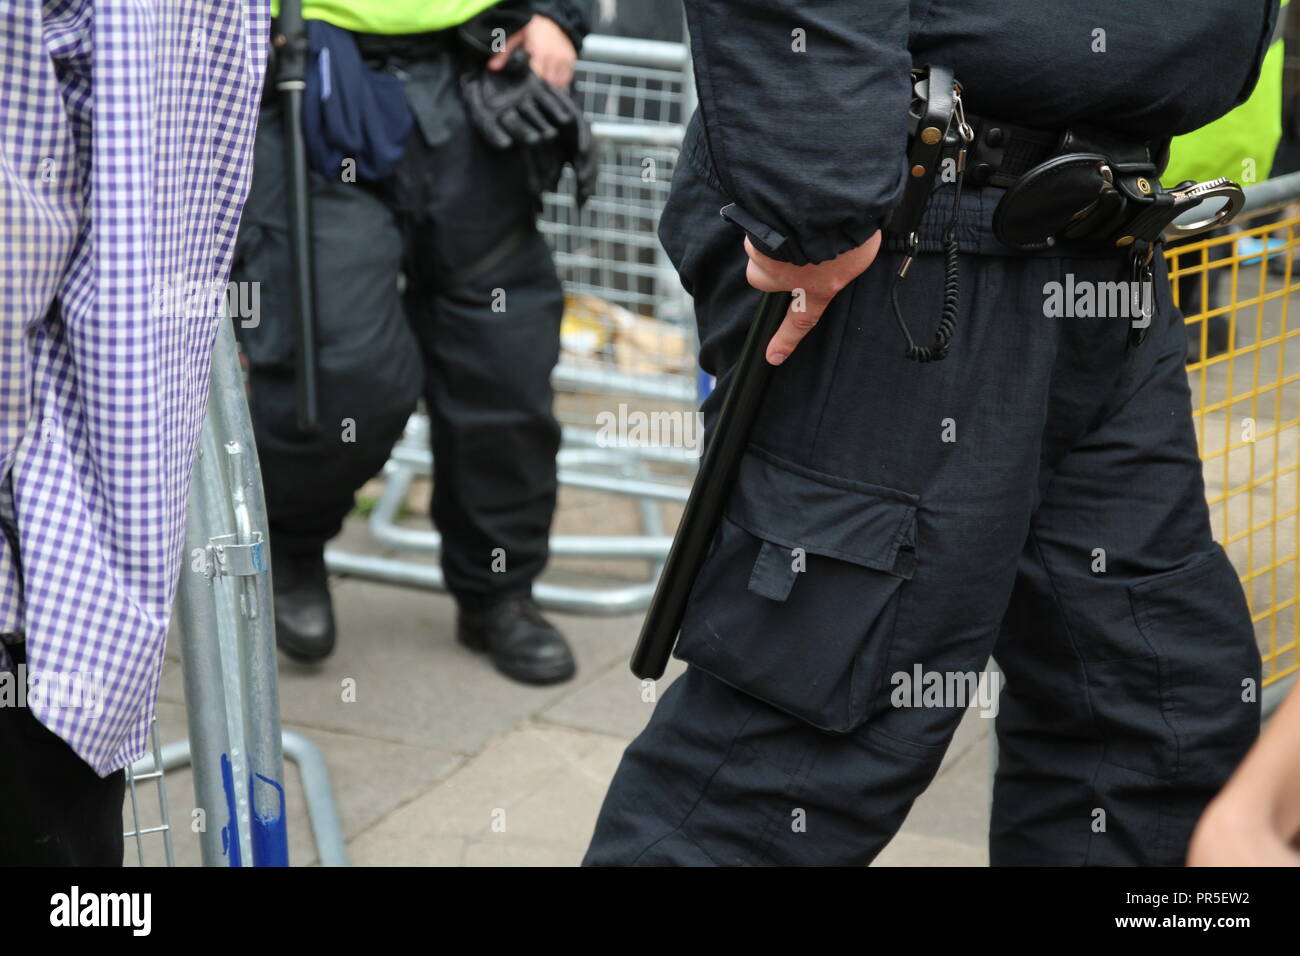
(390, 16)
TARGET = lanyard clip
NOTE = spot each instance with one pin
(913, 241)
(964, 129)
(1141, 292)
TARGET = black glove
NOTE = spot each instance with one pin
(585, 162)
(516, 107)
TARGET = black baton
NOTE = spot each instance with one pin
(709, 494)
(290, 82)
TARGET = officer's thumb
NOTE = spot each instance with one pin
(499, 59)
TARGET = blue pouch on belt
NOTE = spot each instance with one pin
(350, 111)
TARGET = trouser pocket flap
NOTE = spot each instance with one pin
(798, 595)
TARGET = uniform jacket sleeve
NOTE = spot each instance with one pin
(804, 105)
(1274, 20)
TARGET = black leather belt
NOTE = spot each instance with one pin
(1002, 152)
(411, 47)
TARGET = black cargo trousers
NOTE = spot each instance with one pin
(1037, 497)
(476, 331)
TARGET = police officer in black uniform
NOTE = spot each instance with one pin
(1036, 495)
(431, 280)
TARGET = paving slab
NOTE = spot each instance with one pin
(616, 701)
(399, 676)
(909, 849)
(531, 796)
(955, 807)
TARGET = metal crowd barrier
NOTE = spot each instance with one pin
(1247, 408)
(235, 748)
(638, 95)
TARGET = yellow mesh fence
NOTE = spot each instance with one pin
(1244, 368)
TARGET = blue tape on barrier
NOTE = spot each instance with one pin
(270, 835)
(230, 832)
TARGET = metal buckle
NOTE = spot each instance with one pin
(230, 556)
(1189, 197)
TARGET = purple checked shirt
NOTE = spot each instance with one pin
(126, 130)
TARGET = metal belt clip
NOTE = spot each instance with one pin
(1141, 291)
(913, 242)
(937, 121)
(964, 129)
(930, 118)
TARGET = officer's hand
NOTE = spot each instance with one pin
(550, 51)
(1232, 835)
(814, 286)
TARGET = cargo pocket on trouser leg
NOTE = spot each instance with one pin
(797, 598)
(1198, 624)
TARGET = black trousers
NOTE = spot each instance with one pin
(435, 282)
(1037, 497)
(54, 810)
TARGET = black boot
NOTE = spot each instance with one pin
(304, 615)
(524, 645)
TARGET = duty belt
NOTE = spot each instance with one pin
(410, 47)
(1002, 152)
(1080, 187)
(1085, 186)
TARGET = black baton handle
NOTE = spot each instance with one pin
(709, 494)
(290, 74)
